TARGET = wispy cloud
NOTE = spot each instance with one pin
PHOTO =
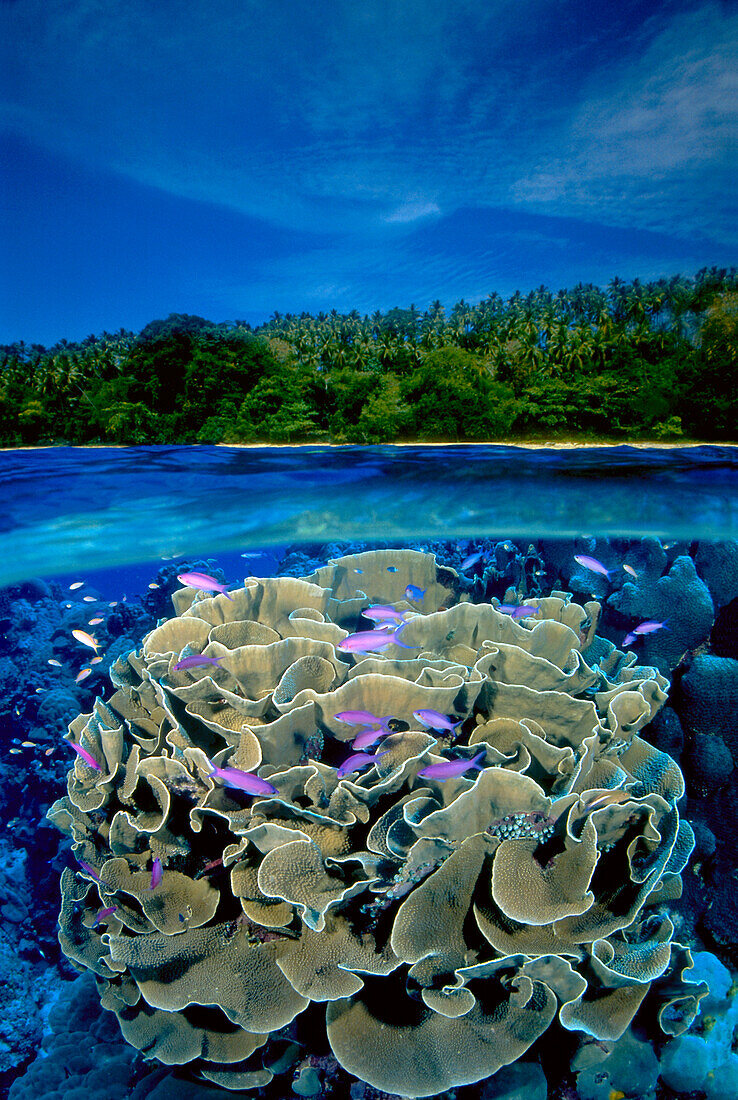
(271, 110)
(365, 124)
(654, 142)
(467, 255)
(412, 212)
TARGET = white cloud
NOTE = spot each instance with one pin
(269, 109)
(654, 142)
(371, 115)
(413, 211)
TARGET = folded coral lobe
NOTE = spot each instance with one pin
(434, 917)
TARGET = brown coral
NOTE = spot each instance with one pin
(446, 923)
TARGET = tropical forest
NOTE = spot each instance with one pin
(634, 361)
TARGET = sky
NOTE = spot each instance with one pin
(233, 158)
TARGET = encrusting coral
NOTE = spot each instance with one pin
(444, 923)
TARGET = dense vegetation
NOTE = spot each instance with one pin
(632, 361)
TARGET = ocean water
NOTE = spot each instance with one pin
(616, 572)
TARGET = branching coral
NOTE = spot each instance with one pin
(445, 923)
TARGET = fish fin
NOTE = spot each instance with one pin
(402, 644)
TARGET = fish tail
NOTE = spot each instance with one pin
(402, 644)
(226, 594)
(477, 758)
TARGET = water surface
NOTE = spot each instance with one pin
(62, 508)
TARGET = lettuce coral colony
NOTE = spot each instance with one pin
(438, 926)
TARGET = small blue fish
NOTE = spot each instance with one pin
(412, 592)
(391, 568)
(358, 570)
(471, 560)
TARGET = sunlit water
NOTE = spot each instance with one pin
(110, 526)
(68, 508)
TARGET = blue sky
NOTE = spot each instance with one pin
(231, 158)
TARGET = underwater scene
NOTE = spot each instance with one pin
(369, 772)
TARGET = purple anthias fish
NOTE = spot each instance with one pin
(90, 869)
(382, 612)
(196, 660)
(367, 737)
(467, 563)
(434, 720)
(88, 758)
(593, 564)
(205, 582)
(103, 914)
(650, 626)
(366, 641)
(157, 874)
(516, 611)
(361, 718)
(244, 781)
(412, 592)
(448, 769)
(357, 761)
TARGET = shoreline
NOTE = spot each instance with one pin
(551, 445)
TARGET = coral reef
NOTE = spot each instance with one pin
(26, 977)
(704, 1059)
(438, 925)
(79, 1042)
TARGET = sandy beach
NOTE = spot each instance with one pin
(553, 445)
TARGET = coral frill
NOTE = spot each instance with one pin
(440, 927)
